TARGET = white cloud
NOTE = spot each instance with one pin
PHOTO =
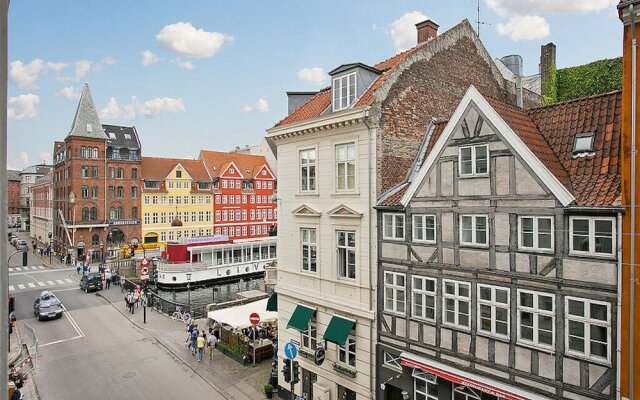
(183, 38)
(314, 76)
(403, 30)
(57, 66)
(528, 7)
(23, 106)
(260, 106)
(99, 66)
(24, 158)
(112, 110)
(148, 58)
(183, 64)
(45, 157)
(129, 110)
(68, 92)
(526, 27)
(26, 75)
(153, 108)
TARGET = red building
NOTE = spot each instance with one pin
(244, 205)
(13, 194)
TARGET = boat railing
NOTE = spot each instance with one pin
(182, 267)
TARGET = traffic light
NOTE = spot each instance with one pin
(286, 370)
(295, 371)
(24, 258)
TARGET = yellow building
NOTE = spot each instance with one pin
(176, 200)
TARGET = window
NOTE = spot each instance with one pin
(83, 152)
(208, 216)
(120, 174)
(94, 172)
(394, 292)
(424, 228)
(163, 236)
(170, 199)
(171, 185)
(154, 218)
(178, 174)
(588, 329)
(134, 173)
(473, 230)
(583, 143)
(224, 215)
(237, 199)
(456, 296)
(200, 216)
(95, 240)
(93, 213)
(345, 393)
(536, 233)
(85, 192)
(134, 192)
(536, 314)
(347, 353)
(391, 362)
(465, 393)
(244, 215)
(217, 199)
(592, 235)
(474, 160)
(232, 216)
(493, 310)
(393, 226)
(147, 218)
(151, 185)
(218, 215)
(232, 184)
(84, 171)
(425, 387)
(310, 336)
(112, 172)
(270, 185)
(120, 192)
(424, 298)
(224, 183)
(346, 249)
(163, 217)
(85, 214)
(112, 192)
(346, 166)
(344, 91)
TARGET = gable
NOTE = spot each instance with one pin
(179, 167)
(305, 211)
(344, 211)
(230, 170)
(268, 174)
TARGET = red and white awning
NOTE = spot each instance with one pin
(470, 380)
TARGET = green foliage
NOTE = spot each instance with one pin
(598, 77)
(550, 89)
(268, 388)
(237, 349)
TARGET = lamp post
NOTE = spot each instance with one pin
(189, 291)
(50, 235)
(102, 254)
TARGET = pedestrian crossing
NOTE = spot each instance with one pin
(28, 268)
(31, 285)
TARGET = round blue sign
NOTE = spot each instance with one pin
(290, 350)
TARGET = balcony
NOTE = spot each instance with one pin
(132, 157)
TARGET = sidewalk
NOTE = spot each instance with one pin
(225, 376)
(55, 261)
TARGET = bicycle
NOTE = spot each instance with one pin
(180, 316)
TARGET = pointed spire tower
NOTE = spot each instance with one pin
(86, 122)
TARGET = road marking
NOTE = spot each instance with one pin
(10, 269)
(69, 280)
(50, 283)
(33, 267)
(41, 267)
(31, 285)
(41, 284)
(18, 268)
(20, 286)
(60, 341)
(60, 281)
(11, 288)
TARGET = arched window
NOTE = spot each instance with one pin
(113, 213)
(95, 152)
(120, 173)
(83, 152)
(94, 214)
(112, 172)
(85, 214)
(95, 240)
(120, 213)
(134, 212)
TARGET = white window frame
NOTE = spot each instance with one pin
(305, 170)
(392, 220)
(393, 290)
(346, 162)
(536, 234)
(474, 230)
(337, 100)
(537, 312)
(347, 249)
(419, 395)
(587, 321)
(423, 294)
(312, 327)
(493, 304)
(345, 351)
(592, 236)
(457, 299)
(422, 228)
(474, 159)
(389, 361)
(310, 247)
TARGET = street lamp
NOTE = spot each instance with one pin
(189, 291)
(50, 234)
(102, 253)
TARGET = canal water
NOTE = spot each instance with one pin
(212, 293)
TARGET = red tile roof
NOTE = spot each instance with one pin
(217, 161)
(158, 168)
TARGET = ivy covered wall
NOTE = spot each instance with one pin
(600, 76)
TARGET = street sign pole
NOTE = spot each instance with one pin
(254, 318)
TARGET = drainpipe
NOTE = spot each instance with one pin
(619, 310)
(632, 259)
(372, 260)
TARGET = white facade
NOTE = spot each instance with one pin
(41, 210)
(317, 215)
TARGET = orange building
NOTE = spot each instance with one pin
(629, 12)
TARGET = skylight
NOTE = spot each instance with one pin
(112, 135)
(583, 143)
(89, 128)
(127, 136)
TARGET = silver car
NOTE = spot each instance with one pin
(21, 245)
(47, 306)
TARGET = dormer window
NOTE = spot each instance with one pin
(89, 128)
(344, 91)
(112, 136)
(583, 143)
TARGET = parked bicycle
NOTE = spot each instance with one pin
(179, 315)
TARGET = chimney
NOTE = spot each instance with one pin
(514, 63)
(427, 30)
(547, 61)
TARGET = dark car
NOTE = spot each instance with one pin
(91, 282)
(47, 306)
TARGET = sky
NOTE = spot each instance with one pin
(202, 74)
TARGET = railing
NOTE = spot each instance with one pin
(181, 267)
(168, 307)
(124, 158)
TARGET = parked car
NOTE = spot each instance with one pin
(13, 239)
(47, 306)
(91, 282)
(21, 245)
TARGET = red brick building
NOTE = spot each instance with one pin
(244, 187)
(96, 185)
(13, 194)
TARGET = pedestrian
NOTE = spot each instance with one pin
(130, 302)
(107, 277)
(212, 342)
(17, 394)
(200, 342)
(78, 269)
(194, 338)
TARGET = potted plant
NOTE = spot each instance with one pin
(268, 390)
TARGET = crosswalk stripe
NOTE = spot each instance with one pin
(34, 267)
(18, 268)
(60, 281)
(41, 284)
(31, 284)
(41, 267)
(10, 269)
(69, 280)
(20, 286)
(11, 288)
(50, 283)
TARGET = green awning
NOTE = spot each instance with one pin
(300, 318)
(338, 330)
(272, 303)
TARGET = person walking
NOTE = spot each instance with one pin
(194, 338)
(212, 342)
(200, 342)
(107, 277)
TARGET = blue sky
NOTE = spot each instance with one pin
(212, 75)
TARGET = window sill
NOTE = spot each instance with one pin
(602, 256)
(430, 242)
(346, 193)
(531, 250)
(393, 239)
(422, 320)
(394, 313)
(545, 349)
(488, 335)
(595, 360)
(474, 246)
(471, 176)
(456, 327)
(307, 194)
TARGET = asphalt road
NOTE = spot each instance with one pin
(93, 351)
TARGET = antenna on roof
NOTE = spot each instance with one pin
(478, 20)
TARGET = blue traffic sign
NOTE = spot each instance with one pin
(290, 350)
